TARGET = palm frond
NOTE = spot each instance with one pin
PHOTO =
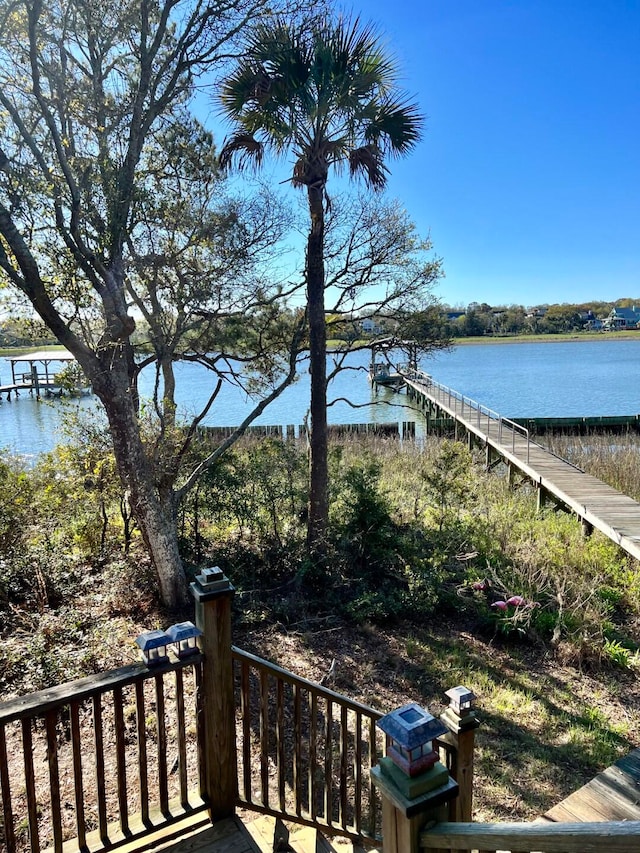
(244, 150)
(368, 161)
(396, 126)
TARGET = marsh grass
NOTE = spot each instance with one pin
(614, 459)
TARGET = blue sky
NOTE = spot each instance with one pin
(528, 176)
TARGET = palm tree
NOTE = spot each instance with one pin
(326, 92)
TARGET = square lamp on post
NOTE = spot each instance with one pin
(460, 700)
(409, 776)
(183, 636)
(412, 730)
(153, 645)
(212, 580)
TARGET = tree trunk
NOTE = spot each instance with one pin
(318, 464)
(154, 518)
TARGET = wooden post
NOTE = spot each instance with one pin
(462, 725)
(587, 528)
(403, 819)
(35, 380)
(213, 593)
(541, 497)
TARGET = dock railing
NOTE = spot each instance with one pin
(476, 413)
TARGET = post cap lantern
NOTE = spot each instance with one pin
(183, 636)
(412, 731)
(153, 645)
(460, 700)
(212, 579)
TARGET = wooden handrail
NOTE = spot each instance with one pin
(612, 836)
(111, 733)
(319, 744)
(305, 751)
(83, 688)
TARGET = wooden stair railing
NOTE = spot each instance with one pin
(305, 751)
(131, 745)
(124, 742)
(612, 837)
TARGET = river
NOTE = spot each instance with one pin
(549, 379)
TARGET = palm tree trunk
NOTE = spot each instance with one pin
(318, 464)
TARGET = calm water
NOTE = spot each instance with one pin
(518, 380)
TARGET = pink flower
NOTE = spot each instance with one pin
(480, 586)
(501, 605)
(516, 600)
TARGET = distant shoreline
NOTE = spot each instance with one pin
(332, 345)
(569, 337)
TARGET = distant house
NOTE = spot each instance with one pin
(623, 318)
(536, 313)
(595, 324)
(370, 326)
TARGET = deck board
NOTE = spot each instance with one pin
(226, 836)
(613, 794)
(616, 515)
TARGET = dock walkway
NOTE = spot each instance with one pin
(595, 504)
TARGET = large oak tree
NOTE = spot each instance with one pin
(111, 209)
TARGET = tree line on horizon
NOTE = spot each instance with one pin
(473, 320)
(480, 319)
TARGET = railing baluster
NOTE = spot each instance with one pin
(78, 784)
(245, 707)
(121, 763)
(264, 737)
(99, 756)
(280, 737)
(5, 789)
(54, 778)
(373, 791)
(161, 729)
(202, 759)
(30, 786)
(344, 752)
(141, 730)
(357, 772)
(328, 764)
(182, 738)
(297, 739)
(313, 753)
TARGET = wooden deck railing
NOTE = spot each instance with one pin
(612, 836)
(122, 743)
(111, 757)
(305, 751)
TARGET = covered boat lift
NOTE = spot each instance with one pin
(382, 372)
(38, 377)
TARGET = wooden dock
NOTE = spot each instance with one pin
(594, 503)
